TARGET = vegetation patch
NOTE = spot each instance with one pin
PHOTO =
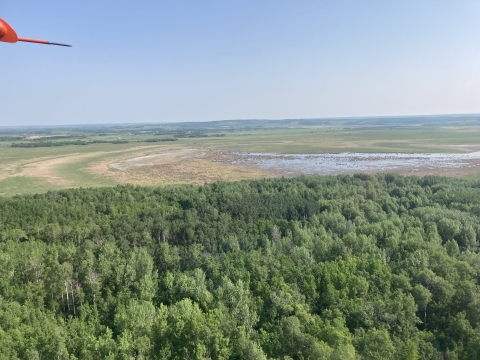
(346, 267)
(89, 165)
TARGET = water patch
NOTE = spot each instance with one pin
(347, 163)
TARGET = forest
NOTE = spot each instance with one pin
(333, 267)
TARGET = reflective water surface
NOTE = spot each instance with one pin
(344, 163)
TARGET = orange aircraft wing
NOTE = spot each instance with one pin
(7, 34)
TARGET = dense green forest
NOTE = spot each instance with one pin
(346, 267)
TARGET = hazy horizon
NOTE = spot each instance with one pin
(387, 117)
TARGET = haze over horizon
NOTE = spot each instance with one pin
(434, 117)
(156, 62)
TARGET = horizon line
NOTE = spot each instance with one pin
(252, 119)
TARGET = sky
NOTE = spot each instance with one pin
(168, 61)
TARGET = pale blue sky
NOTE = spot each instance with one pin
(163, 61)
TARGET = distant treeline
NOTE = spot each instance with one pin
(160, 140)
(65, 143)
(109, 142)
(48, 144)
(57, 137)
(197, 135)
(82, 142)
(119, 142)
(11, 138)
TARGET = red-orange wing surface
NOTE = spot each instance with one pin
(7, 34)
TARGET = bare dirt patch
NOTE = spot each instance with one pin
(181, 166)
(159, 158)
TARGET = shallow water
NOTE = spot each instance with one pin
(345, 163)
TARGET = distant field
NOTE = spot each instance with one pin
(318, 140)
(196, 154)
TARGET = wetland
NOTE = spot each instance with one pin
(35, 160)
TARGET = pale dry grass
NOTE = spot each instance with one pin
(27, 167)
(183, 166)
(46, 168)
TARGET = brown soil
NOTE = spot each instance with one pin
(182, 166)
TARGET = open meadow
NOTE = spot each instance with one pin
(192, 153)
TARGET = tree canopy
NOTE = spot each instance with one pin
(339, 267)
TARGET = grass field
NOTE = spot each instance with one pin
(32, 170)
